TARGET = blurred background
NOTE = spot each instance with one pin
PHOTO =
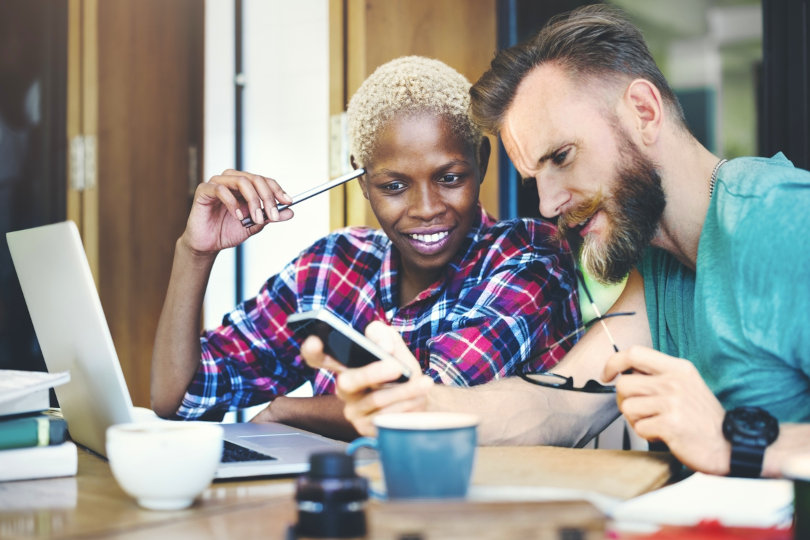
(112, 111)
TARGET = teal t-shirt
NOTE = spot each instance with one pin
(743, 317)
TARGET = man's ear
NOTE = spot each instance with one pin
(360, 179)
(484, 150)
(646, 107)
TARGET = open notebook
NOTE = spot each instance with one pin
(73, 334)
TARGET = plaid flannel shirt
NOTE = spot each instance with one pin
(510, 292)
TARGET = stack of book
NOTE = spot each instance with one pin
(33, 439)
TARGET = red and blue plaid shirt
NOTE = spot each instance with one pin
(509, 293)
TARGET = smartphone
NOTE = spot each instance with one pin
(341, 341)
(248, 222)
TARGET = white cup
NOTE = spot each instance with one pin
(164, 465)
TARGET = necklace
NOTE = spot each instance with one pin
(714, 176)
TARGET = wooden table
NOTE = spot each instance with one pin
(92, 504)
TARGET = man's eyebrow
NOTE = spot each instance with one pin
(556, 148)
(530, 177)
(548, 155)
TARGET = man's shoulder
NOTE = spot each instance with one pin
(658, 266)
(758, 200)
(759, 176)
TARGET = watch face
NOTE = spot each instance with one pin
(750, 426)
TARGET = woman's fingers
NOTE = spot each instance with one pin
(260, 195)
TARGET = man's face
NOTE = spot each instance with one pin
(589, 174)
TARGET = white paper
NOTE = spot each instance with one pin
(39, 462)
(734, 502)
(15, 384)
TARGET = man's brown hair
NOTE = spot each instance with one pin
(588, 42)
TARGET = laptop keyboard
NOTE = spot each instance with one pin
(234, 453)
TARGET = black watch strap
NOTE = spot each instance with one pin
(746, 461)
(750, 430)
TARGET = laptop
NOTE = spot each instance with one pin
(73, 334)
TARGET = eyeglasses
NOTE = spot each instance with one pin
(562, 382)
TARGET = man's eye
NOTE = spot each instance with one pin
(450, 178)
(559, 157)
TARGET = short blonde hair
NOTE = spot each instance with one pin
(408, 85)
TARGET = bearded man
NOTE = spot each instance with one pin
(715, 361)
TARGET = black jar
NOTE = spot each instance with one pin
(331, 498)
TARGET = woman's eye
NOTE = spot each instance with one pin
(393, 186)
(559, 157)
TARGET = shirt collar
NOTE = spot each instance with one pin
(389, 271)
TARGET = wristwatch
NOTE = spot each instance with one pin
(749, 430)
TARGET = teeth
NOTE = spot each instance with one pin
(583, 222)
(429, 238)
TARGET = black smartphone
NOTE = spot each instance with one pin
(341, 341)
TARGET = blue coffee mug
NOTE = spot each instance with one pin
(424, 455)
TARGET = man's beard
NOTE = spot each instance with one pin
(633, 213)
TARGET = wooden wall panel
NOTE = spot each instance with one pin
(82, 120)
(150, 55)
(461, 33)
(337, 97)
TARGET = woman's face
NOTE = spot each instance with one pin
(422, 182)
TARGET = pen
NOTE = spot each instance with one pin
(248, 222)
(598, 313)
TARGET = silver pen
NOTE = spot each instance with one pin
(248, 221)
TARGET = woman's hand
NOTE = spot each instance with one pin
(220, 205)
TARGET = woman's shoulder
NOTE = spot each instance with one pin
(525, 233)
(354, 239)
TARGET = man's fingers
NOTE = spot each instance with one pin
(312, 353)
(638, 359)
(637, 384)
(649, 428)
(391, 342)
(369, 403)
(638, 408)
(369, 377)
(362, 413)
(414, 404)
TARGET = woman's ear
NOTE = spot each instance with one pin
(360, 179)
(484, 150)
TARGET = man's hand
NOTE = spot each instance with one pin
(664, 398)
(369, 390)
